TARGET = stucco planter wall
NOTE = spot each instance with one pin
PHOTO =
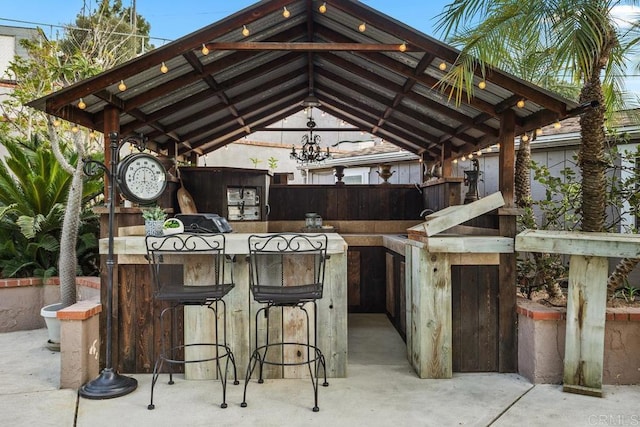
(541, 338)
(22, 299)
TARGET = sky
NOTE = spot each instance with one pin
(169, 22)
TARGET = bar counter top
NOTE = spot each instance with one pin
(236, 244)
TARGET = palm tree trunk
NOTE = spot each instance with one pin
(523, 175)
(620, 273)
(523, 200)
(68, 263)
(591, 156)
(591, 159)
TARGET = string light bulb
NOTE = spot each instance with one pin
(322, 8)
(245, 31)
(520, 103)
(538, 131)
(524, 138)
(455, 161)
(285, 12)
(479, 153)
(362, 27)
(81, 104)
(163, 68)
(442, 66)
(75, 129)
(463, 159)
(403, 47)
(557, 125)
(482, 84)
(122, 87)
(205, 49)
(56, 122)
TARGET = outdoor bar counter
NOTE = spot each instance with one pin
(137, 316)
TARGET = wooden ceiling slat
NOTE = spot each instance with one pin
(195, 133)
(336, 109)
(355, 104)
(226, 86)
(389, 85)
(286, 108)
(403, 130)
(307, 43)
(417, 41)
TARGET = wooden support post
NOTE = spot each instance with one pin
(506, 180)
(507, 328)
(586, 313)
(430, 323)
(445, 159)
(508, 348)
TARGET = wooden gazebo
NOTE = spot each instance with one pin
(268, 61)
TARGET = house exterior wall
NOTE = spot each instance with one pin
(10, 38)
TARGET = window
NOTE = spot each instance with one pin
(356, 175)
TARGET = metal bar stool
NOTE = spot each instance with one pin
(287, 270)
(195, 281)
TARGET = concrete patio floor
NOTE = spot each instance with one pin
(381, 390)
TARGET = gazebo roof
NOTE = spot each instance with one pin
(245, 83)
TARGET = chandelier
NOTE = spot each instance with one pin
(310, 151)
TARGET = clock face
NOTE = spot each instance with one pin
(142, 178)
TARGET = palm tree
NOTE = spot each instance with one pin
(582, 45)
(35, 186)
(106, 40)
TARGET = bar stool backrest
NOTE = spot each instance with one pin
(205, 266)
(287, 268)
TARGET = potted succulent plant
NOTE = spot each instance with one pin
(172, 226)
(154, 218)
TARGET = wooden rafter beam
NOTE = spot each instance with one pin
(304, 46)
